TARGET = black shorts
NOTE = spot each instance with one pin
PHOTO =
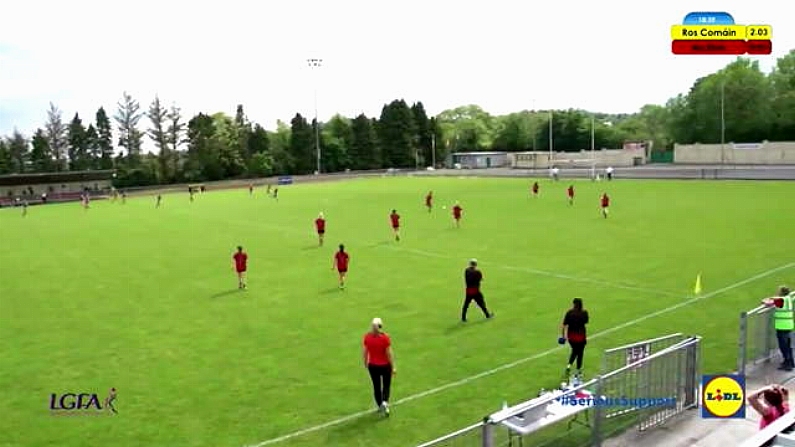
(342, 271)
(321, 232)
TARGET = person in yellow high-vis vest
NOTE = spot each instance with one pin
(784, 324)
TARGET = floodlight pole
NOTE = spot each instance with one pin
(550, 138)
(316, 63)
(433, 149)
(722, 122)
(593, 147)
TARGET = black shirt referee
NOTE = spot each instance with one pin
(472, 279)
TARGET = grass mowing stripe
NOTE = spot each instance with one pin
(492, 371)
(546, 273)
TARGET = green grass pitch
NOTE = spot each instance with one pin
(145, 300)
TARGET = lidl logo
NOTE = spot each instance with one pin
(723, 396)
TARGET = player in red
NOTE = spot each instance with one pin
(535, 189)
(605, 201)
(570, 193)
(457, 214)
(341, 260)
(395, 219)
(429, 201)
(241, 263)
(320, 226)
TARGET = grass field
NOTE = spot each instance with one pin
(145, 300)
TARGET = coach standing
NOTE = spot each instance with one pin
(472, 279)
(380, 363)
(573, 330)
(784, 322)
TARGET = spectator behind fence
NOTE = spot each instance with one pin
(784, 321)
(771, 402)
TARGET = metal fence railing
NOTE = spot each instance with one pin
(621, 356)
(757, 338)
(471, 436)
(645, 393)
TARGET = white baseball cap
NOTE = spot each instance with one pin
(377, 322)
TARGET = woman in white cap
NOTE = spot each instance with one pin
(379, 361)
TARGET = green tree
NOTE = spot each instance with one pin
(783, 83)
(78, 144)
(279, 142)
(204, 161)
(18, 149)
(335, 140)
(176, 138)
(363, 150)
(40, 154)
(423, 139)
(104, 139)
(158, 133)
(467, 128)
(130, 137)
(5, 158)
(94, 149)
(302, 142)
(397, 135)
(226, 143)
(56, 134)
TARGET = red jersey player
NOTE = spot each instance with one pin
(570, 193)
(395, 219)
(341, 260)
(605, 202)
(429, 201)
(320, 226)
(241, 260)
(457, 214)
(535, 189)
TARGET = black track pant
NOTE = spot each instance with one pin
(577, 352)
(381, 375)
(478, 299)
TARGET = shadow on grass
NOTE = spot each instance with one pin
(383, 243)
(311, 247)
(356, 428)
(226, 293)
(470, 322)
(331, 290)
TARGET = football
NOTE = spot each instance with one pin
(444, 207)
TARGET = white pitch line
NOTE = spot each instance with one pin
(492, 371)
(549, 274)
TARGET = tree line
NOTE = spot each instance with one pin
(739, 103)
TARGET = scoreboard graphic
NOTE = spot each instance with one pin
(716, 33)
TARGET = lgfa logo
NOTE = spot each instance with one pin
(723, 396)
(82, 403)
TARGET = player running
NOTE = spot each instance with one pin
(429, 201)
(191, 192)
(123, 197)
(251, 189)
(341, 260)
(394, 217)
(457, 210)
(159, 199)
(570, 194)
(24, 208)
(605, 202)
(320, 226)
(276, 194)
(535, 188)
(240, 264)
